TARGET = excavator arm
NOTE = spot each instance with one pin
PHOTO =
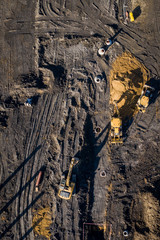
(70, 172)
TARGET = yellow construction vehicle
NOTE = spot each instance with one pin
(145, 97)
(116, 126)
(131, 16)
(116, 130)
(67, 187)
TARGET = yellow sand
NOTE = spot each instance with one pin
(42, 221)
(127, 78)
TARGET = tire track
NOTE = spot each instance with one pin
(19, 207)
(39, 161)
(88, 24)
(68, 209)
(21, 201)
(41, 128)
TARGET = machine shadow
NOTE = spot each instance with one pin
(137, 12)
(116, 34)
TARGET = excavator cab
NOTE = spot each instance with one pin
(68, 182)
(145, 97)
(116, 130)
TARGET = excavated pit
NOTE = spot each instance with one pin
(127, 78)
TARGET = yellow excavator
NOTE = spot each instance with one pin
(145, 97)
(116, 128)
(67, 183)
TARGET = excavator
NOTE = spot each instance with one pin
(145, 97)
(67, 183)
(116, 128)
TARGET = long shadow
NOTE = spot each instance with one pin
(101, 133)
(89, 164)
(99, 148)
(86, 166)
(116, 34)
(21, 214)
(113, 39)
(19, 192)
(31, 229)
(19, 168)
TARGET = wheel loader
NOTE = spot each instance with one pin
(116, 130)
(145, 97)
(68, 181)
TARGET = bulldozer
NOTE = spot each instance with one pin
(68, 182)
(146, 95)
(116, 127)
(116, 130)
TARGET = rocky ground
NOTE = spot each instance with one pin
(49, 52)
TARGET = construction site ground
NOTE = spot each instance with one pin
(48, 52)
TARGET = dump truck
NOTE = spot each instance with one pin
(116, 130)
(146, 95)
(68, 182)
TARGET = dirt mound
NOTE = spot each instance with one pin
(127, 79)
(42, 221)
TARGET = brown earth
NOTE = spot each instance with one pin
(127, 78)
(49, 53)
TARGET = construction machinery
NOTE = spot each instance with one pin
(116, 127)
(146, 95)
(131, 16)
(116, 130)
(127, 15)
(68, 181)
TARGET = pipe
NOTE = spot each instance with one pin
(38, 180)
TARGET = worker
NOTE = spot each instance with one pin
(28, 103)
(126, 20)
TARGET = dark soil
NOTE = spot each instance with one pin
(49, 53)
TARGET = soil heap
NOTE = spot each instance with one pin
(127, 79)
